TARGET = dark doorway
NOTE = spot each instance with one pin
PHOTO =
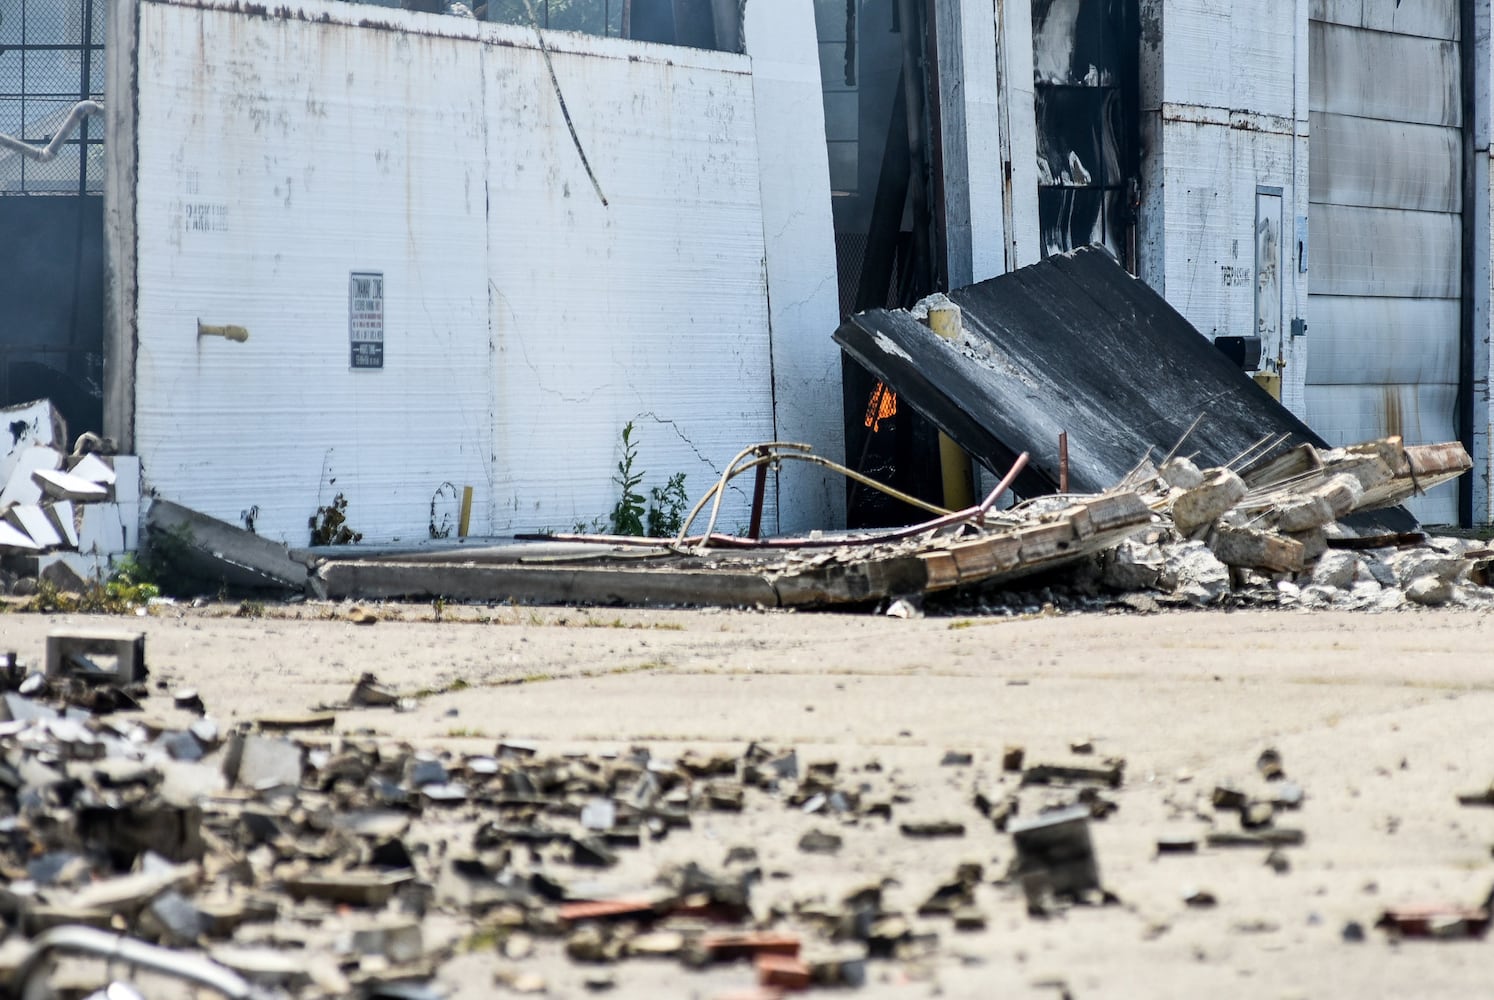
(873, 58)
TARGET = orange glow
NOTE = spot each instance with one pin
(883, 404)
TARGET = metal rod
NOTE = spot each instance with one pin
(1063, 461)
(759, 495)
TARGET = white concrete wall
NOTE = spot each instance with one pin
(526, 321)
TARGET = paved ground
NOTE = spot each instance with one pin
(1382, 719)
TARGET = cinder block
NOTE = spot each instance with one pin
(68, 655)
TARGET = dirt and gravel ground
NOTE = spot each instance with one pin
(1382, 719)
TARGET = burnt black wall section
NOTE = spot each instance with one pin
(52, 305)
(1087, 86)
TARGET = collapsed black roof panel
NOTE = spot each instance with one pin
(1074, 344)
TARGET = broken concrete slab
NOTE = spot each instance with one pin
(1253, 549)
(215, 551)
(92, 468)
(62, 516)
(1205, 503)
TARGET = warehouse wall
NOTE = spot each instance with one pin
(1387, 205)
(525, 320)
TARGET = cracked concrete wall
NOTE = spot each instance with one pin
(525, 321)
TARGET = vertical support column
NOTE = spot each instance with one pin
(121, 96)
(969, 140)
(1296, 339)
(799, 243)
(1018, 105)
(1478, 248)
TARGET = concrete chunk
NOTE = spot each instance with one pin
(1342, 493)
(1304, 513)
(266, 762)
(1220, 490)
(1336, 569)
(1195, 573)
(1253, 549)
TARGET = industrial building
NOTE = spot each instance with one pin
(323, 248)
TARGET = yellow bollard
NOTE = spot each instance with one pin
(464, 521)
(954, 464)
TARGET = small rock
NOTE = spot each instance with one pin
(957, 758)
(1012, 757)
(1200, 898)
(1353, 932)
(933, 828)
(1278, 862)
(969, 918)
(820, 842)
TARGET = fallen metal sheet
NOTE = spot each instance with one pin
(1075, 344)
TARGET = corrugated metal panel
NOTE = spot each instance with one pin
(1384, 252)
(1421, 414)
(525, 322)
(1383, 164)
(1430, 18)
(1374, 74)
(1377, 340)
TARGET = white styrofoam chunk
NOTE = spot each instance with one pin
(34, 521)
(94, 469)
(29, 425)
(20, 487)
(88, 566)
(66, 486)
(127, 478)
(13, 539)
(101, 529)
(63, 516)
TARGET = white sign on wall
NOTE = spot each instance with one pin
(366, 318)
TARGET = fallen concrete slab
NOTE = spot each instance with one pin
(215, 551)
(1076, 345)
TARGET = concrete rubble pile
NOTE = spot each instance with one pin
(1273, 533)
(64, 515)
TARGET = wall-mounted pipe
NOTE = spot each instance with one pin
(238, 334)
(44, 154)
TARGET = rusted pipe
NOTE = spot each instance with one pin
(1063, 461)
(759, 496)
